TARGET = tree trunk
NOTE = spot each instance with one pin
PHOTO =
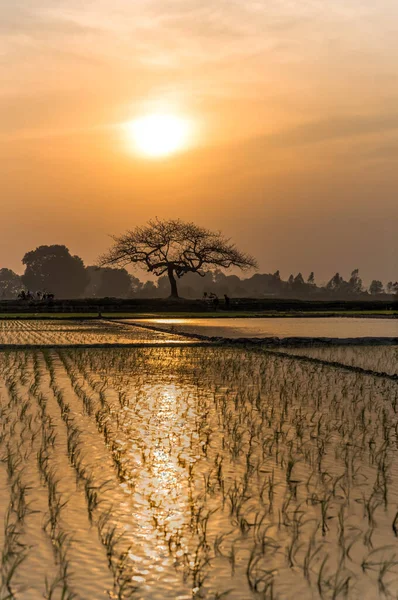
(173, 283)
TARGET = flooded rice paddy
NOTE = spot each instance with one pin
(188, 472)
(94, 332)
(380, 359)
(332, 327)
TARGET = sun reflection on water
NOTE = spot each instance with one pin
(161, 452)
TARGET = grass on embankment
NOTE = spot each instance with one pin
(203, 315)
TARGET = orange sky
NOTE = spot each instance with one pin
(295, 105)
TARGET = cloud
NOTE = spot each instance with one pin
(20, 21)
(334, 128)
(210, 53)
(382, 151)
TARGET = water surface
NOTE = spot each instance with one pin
(333, 327)
(191, 473)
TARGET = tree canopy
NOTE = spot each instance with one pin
(10, 284)
(376, 287)
(53, 269)
(106, 281)
(176, 248)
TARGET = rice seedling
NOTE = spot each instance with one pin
(231, 471)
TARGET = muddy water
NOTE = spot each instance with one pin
(218, 473)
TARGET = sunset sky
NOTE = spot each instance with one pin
(293, 105)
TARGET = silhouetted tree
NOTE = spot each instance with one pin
(105, 281)
(376, 287)
(136, 285)
(298, 280)
(291, 279)
(335, 283)
(392, 288)
(176, 248)
(311, 278)
(55, 270)
(355, 283)
(10, 284)
(149, 290)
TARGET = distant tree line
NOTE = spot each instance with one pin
(263, 285)
(53, 270)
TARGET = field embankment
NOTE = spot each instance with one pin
(239, 307)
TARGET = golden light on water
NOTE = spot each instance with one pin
(159, 135)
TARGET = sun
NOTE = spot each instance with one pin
(159, 135)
